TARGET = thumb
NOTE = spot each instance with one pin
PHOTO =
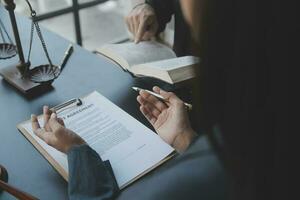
(170, 96)
(54, 123)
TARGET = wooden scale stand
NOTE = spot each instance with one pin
(20, 75)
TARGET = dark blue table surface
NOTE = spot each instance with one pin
(84, 73)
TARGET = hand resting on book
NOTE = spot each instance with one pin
(142, 22)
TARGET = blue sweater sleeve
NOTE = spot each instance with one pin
(89, 177)
(164, 9)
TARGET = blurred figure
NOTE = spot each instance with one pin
(243, 89)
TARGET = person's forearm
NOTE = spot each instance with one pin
(89, 179)
(136, 2)
(184, 140)
(164, 9)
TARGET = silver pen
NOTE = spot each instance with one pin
(189, 106)
(68, 54)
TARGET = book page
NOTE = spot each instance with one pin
(134, 54)
(170, 70)
(169, 64)
(130, 146)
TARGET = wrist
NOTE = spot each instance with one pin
(76, 148)
(138, 5)
(74, 144)
(183, 140)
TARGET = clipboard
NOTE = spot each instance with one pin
(66, 105)
(73, 103)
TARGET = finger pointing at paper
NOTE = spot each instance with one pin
(142, 22)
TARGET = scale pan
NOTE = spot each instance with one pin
(44, 73)
(7, 50)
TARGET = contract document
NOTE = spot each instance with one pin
(132, 148)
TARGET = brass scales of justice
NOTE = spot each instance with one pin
(21, 75)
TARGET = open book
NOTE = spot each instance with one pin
(151, 59)
(132, 148)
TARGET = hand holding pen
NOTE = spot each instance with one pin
(160, 97)
(168, 117)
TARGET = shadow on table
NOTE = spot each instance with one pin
(34, 93)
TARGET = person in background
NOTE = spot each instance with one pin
(147, 20)
(241, 106)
